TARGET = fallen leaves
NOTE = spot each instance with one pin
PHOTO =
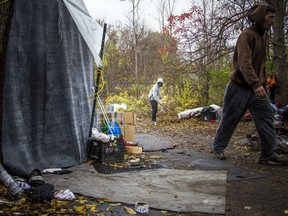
(157, 157)
(129, 210)
(82, 205)
(115, 204)
(80, 209)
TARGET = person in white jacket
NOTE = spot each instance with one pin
(155, 98)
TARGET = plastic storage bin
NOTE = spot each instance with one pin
(112, 151)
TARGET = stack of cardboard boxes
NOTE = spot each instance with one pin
(125, 120)
(127, 123)
(129, 131)
(129, 126)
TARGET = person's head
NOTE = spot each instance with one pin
(160, 82)
(262, 16)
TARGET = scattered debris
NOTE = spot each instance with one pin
(252, 143)
(196, 112)
(142, 207)
(64, 195)
(35, 178)
(10, 183)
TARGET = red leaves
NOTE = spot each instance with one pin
(191, 16)
(184, 16)
(180, 24)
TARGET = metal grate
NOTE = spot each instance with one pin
(106, 169)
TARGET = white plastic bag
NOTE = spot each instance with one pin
(64, 195)
(100, 136)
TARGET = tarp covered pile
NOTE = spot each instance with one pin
(190, 113)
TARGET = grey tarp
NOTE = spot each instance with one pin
(48, 81)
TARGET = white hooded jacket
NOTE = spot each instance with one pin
(154, 93)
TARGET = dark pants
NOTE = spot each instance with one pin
(154, 106)
(236, 102)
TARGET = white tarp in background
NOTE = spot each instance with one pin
(195, 111)
(89, 28)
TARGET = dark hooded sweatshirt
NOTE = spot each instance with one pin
(250, 52)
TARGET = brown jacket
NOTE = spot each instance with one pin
(250, 52)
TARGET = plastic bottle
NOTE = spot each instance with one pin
(9, 182)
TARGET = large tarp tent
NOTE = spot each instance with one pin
(47, 86)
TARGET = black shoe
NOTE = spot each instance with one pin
(274, 161)
(219, 155)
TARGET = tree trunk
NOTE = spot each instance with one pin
(280, 62)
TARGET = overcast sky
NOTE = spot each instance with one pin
(113, 11)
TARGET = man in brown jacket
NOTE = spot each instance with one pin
(247, 88)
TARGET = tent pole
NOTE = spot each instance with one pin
(97, 81)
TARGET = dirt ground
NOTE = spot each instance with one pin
(263, 196)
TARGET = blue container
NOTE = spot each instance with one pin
(114, 128)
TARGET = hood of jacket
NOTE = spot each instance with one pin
(159, 80)
(256, 15)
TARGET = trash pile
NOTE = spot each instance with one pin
(33, 187)
(214, 112)
(252, 142)
(280, 115)
(208, 113)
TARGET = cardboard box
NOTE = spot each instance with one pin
(117, 116)
(129, 131)
(129, 118)
(133, 149)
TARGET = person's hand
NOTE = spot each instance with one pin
(260, 91)
(160, 102)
